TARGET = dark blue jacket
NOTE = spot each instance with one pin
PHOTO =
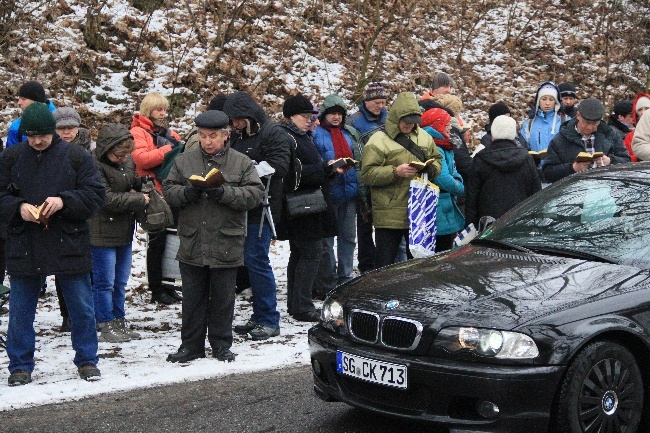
(343, 187)
(363, 121)
(62, 170)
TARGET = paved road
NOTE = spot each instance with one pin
(275, 401)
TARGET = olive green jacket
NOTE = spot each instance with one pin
(382, 155)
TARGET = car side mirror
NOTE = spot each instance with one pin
(485, 222)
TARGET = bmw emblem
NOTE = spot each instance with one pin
(391, 305)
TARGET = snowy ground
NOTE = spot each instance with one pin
(139, 364)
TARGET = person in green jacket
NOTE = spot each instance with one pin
(385, 169)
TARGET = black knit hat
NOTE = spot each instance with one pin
(218, 102)
(497, 109)
(623, 108)
(37, 120)
(297, 104)
(212, 119)
(567, 89)
(33, 90)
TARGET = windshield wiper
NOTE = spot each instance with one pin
(572, 253)
(502, 244)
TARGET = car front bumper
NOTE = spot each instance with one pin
(442, 391)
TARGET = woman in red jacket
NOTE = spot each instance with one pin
(153, 139)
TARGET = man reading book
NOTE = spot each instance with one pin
(587, 133)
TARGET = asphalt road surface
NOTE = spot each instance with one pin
(271, 401)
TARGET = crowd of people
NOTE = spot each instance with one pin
(328, 181)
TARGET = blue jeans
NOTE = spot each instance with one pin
(346, 218)
(111, 270)
(260, 272)
(21, 338)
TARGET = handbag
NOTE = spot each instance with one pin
(157, 215)
(422, 211)
(305, 202)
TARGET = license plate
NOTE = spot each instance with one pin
(371, 370)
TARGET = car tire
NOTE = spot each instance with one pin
(603, 387)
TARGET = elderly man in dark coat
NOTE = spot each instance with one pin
(48, 190)
(586, 133)
(211, 228)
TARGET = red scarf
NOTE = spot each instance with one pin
(444, 143)
(341, 145)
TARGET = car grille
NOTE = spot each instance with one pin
(391, 331)
(416, 398)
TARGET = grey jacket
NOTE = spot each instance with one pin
(212, 232)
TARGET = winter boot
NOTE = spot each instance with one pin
(89, 372)
(110, 333)
(65, 324)
(161, 297)
(124, 328)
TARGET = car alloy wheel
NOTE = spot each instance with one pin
(602, 391)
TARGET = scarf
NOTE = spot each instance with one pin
(445, 143)
(341, 146)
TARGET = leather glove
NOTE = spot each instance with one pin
(214, 193)
(193, 193)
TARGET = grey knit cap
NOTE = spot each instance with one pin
(66, 116)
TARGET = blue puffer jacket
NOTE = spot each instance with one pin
(545, 126)
(14, 135)
(449, 218)
(363, 121)
(344, 187)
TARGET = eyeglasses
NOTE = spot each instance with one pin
(305, 116)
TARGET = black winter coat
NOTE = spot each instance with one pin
(567, 144)
(62, 170)
(463, 160)
(504, 175)
(318, 226)
(265, 141)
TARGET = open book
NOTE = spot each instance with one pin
(588, 157)
(422, 165)
(37, 213)
(537, 156)
(213, 179)
(342, 162)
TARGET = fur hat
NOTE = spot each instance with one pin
(504, 128)
(212, 119)
(591, 109)
(437, 118)
(375, 91)
(33, 90)
(642, 102)
(548, 90)
(297, 104)
(567, 89)
(497, 110)
(441, 79)
(623, 108)
(452, 102)
(37, 120)
(66, 117)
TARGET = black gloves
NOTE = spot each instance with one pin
(193, 193)
(214, 193)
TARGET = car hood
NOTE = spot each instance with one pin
(485, 287)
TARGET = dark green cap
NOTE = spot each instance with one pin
(37, 120)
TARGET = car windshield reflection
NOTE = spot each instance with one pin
(606, 217)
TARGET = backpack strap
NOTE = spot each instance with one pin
(409, 145)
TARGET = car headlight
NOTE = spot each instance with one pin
(487, 342)
(331, 315)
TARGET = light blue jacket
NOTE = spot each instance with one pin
(14, 136)
(544, 127)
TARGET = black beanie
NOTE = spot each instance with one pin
(37, 120)
(217, 102)
(567, 89)
(497, 109)
(296, 105)
(623, 108)
(34, 91)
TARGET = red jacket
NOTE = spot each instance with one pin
(146, 155)
(630, 136)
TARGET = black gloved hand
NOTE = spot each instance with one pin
(193, 193)
(214, 193)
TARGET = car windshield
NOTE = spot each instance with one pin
(601, 218)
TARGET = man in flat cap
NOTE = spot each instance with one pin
(587, 132)
(211, 228)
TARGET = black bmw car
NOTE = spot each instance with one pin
(541, 324)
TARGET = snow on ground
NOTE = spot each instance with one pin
(140, 364)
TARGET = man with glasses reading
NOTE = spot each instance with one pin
(587, 132)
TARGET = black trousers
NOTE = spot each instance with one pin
(155, 254)
(387, 244)
(365, 243)
(208, 305)
(325, 281)
(302, 270)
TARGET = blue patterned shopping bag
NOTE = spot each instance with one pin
(422, 207)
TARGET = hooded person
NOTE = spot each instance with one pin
(544, 119)
(640, 105)
(504, 174)
(261, 139)
(386, 171)
(449, 217)
(111, 231)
